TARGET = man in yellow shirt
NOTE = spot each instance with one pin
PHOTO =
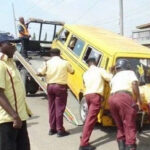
(94, 79)
(56, 71)
(13, 108)
(123, 107)
(24, 36)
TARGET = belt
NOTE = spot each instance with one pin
(122, 91)
(56, 84)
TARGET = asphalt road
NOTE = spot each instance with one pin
(102, 138)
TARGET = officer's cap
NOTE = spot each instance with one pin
(123, 64)
(6, 37)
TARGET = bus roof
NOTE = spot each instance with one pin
(107, 40)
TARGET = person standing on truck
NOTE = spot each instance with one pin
(123, 107)
(56, 71)
(13, 108)
(24, 36)
(93, 80)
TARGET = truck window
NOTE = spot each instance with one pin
(34, 30)
(63, 36)
(91, 52)
(47, 32)
(76, 45)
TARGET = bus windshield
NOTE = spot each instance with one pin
(141, 67)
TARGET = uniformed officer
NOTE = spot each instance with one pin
(56, 71)
(13, 108)
(123, 107)
(24, 36)
(94, 83)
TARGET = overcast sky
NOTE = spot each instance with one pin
(101, 13)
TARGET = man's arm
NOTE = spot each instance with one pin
(42, 71)
(69, 68)
(135, 88)
(17, 123)
(21, 30)
(106, 76)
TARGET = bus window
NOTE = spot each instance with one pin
(91, 52)
(63, 36)
(76, 45)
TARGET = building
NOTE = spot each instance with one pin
(142, 34)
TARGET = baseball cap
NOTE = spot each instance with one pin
(6, 37)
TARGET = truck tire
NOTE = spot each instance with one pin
(30, 85)
(83, 109)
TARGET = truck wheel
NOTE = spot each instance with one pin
(24, 73)
(24, 77)
(83, 109)
(32, 87)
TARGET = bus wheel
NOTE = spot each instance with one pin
(83, 109)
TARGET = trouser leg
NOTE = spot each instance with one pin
(60, 104)
(130, 126)
(115, 112)
(51, 107)
(23, 138)
(94, 103)
(8, 136)
(122, 104)
(25, 45)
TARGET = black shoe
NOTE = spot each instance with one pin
(62, 133)
(131, 147)
(52, 132)
(121, 144)
(88, 147)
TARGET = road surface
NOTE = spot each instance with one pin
(38, 127)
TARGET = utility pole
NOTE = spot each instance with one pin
(121, 17)
(14, 17)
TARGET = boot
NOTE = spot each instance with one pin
(131, 147)
(121, 144)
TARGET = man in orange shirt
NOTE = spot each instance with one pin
(24, 36)
(56, 71)
(13, 108)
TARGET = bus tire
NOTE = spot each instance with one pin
(83, 109)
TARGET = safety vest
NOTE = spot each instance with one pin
(25, 31)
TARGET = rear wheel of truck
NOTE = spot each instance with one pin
(83, 109)
(31, 86)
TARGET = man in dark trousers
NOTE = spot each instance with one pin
(13, 108)
(56, 71)
(24, 36)
(123, 107)
(93, 79)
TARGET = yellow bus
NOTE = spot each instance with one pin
(78, 43)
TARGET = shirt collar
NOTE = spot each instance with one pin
(3, 57)
(92, 66)
(55, 57)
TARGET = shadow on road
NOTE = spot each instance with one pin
(76, 130)
(31, 124)
(33, 117)
(110, 135)
(37, 95)
(144, 138)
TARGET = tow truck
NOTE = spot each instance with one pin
(42, 34)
